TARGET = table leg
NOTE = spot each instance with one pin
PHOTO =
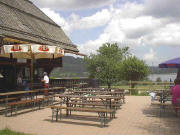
(110, 106)
(67, 104)
(6, 104)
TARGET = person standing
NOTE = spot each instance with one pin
(175, 91)
(19, 81)
(45, 81)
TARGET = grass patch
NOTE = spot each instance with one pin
(141, 87)
(141, 94)
(7, 131)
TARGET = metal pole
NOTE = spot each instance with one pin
(130, 86)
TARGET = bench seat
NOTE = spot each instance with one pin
(9, 99)
(113, 105)
(94, 101)
(15, 105)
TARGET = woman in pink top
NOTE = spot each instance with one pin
(175, 91)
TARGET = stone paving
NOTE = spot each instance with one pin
(136, 117)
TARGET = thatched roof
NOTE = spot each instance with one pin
(21, 19)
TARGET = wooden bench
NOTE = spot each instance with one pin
(93, 101)
(101, 112)
(162, 106)
(15, 105)
(9, 99)
(49, 99)
(93, 104)
(97, 101)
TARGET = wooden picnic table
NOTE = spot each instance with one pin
(90, 97)
(7, 94)
(113, 105)
(103, 98)
(30, 91)
(102, 89)
(80, 85)
(163, 94)
(99, 92)
(17, 92)
(102, 112)
(96, 89)
(112, 93)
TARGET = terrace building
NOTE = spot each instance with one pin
(21, 22)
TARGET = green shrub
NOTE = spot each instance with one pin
(140, 93)
(7, 131)
(134, 92)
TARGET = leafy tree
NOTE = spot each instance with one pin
(134, 69)
(106, 65)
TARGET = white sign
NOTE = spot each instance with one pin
(21, 60)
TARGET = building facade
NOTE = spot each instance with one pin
(21, 22)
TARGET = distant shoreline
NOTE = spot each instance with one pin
(163, 77)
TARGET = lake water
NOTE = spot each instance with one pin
(164, 77)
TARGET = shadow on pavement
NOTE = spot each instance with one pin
(165, 120)
(80, 120)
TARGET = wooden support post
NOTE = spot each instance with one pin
(1, 41)
(31, 70)
(31, 74)
(130, 87)
(6, 102)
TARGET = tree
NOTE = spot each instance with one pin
(106, 65)
(134, 69)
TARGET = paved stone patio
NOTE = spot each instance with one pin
(136, 117)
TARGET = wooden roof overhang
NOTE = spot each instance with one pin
(22, 22)
(13, 36)
(19, 41)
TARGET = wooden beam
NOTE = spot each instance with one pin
(11, 40)
(7, 63)
(13, 63)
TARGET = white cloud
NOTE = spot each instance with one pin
(140, 26)
(75, 22)
(150, 56)
(93, 45)
(57, 18)
(132, 24)
(72, 4)
(168, 35)
(118, 27)
(98, 19)
(138, 30)
(163, 8)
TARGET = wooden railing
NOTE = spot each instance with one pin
(70, 82)
(152, 86)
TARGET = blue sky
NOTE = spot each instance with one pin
(151, 28)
